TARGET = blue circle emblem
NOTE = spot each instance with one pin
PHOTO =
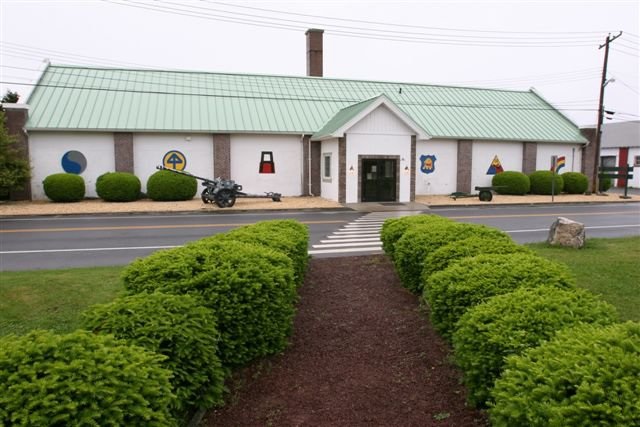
(74, 162)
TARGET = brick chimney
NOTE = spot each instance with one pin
(314, 52)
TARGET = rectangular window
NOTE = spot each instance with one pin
(636, 161)
(326, 167)
(608, 161)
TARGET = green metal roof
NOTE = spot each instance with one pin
(74, 98)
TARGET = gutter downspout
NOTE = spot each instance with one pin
(308, 163)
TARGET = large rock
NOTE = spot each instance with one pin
(566, 232)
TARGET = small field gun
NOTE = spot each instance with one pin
(222, 192)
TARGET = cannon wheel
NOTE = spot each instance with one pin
(485, 196)
(225, 198)
(205, 196)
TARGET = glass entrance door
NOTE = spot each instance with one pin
(378, 180)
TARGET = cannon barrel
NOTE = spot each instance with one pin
(205, 180)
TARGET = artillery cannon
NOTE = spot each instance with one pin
(223, 192)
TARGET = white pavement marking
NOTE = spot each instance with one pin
(343, 231)
(343, 245)
(334, 251)
(362, 239)
(360, 235)
(48, 251)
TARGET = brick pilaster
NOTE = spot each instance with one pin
(222, 155)
(342, 170)
(123, 151)
(589, 155)
(316, 175)
(465, 161)
(412, 169)
(529, 157)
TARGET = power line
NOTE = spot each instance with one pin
(619, 50)
(353, 34)
(550, 33)
(629, 46)
(410, 33)
(26, 50)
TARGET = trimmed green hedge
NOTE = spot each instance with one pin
(167, 186)
(176, 326)
(250, 289)
(541, 182)
(118, 187)
(444, 256)
(575, 182)
(471, 281)
(394, 228)
(64, 187)
(287, 236)
(511, 323)
(585, 376)
(513, 182)
(604, 184)
(420, 241)
(81, 379)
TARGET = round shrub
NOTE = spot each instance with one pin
(604, 184)
(167, 186)
(541, 182)
(585, 376)
(393, 229)
(81, 379)
(176, 326)
(575, 182)
(250, 289)
(511, 323)
(118, 187)
(418, 242)
(512, 182)
(64, 187)
(444, 256)
(287, 236)
(471, 281)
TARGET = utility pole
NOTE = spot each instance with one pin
(603, 83)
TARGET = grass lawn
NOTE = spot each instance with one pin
(53, 299)
(609, 267)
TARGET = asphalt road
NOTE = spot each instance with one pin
(83, 241)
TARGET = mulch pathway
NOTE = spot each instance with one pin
(362, 353)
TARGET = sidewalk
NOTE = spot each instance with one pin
(8, 209)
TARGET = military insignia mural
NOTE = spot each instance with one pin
(495, 167)
(266, 163)
(74, 162)
(428, 163)
(174, 159)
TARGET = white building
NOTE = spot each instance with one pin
(620, 145)
(345, 140)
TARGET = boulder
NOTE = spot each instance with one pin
(566, 232)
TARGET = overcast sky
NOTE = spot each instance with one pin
(549, 45)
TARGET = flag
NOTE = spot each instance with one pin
(559, 164)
